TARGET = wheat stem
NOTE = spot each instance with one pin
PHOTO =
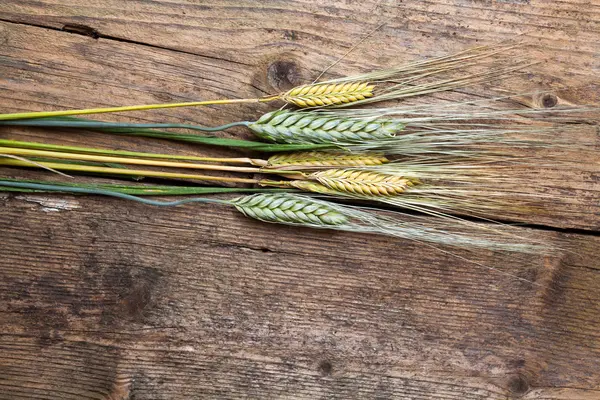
(73, 122)
(87, 111)
(104, 192)
(138, 130)
(123, 160)
(404, 81)
(298, 210)
(123, 171)
(121, 153)
(279, 164)
(23, 185)
(60, 166)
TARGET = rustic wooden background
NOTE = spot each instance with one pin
(103, 299)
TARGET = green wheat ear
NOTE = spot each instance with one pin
(297, 210)
(312, 127)
(289, 209)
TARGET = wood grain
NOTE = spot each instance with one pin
(182, 303)
(102, 299)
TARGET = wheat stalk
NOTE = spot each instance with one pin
(63, 155)
(95, 169)
(321, 159)
(282, 164)
(353, 182)
(479, 189)
(123, 153)
(299, 210)
(404, 81)
(134, 189)
(455, 129)
(147, 130)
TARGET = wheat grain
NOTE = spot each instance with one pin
(325, 159)
(313, 127)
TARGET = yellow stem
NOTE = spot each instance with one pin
(123, 160)
(64, 113)
(122, 171)
(120, 153)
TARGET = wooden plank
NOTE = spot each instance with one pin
(103, 299)
(315, 34)
(202, 302)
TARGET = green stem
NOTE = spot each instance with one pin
(134, 130)
(57, 188)
(139, 190)
(72, 122)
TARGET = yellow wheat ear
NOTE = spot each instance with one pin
(321, 159)
(327, 94)
(413, 79)
(354, 182)
(362, 182)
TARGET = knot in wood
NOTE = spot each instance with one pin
(549, 100)
(518, 386)
(283, 75)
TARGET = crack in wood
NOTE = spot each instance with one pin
(84, 30)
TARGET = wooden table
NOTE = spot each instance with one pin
(105, 299)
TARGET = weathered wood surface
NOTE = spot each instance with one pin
(103, 299)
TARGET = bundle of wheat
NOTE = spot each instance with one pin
(444, 161)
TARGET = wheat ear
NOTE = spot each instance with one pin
(327, 94)
(289, 209)
(320, 159)
(298, 210)
(313, 127)
(362, 182)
